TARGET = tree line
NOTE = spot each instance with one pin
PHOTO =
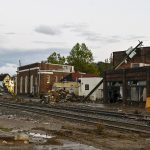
(81, 57)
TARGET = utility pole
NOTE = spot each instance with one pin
(131, 51)
(19, 63)
(128, 54)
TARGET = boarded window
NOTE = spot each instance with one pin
(21, 79)
(86, 86)
(56, 79)
(26, 84)
(135, 65)
(31, 84)
(48, 79)
(36, 81)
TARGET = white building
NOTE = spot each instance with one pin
(87, 84)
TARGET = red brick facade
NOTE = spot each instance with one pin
(39, 77)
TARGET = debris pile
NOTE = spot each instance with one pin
(60, 95)
(22, 137)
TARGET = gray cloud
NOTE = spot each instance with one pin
(135, 37)
(3, 39)
(47, 30)
(47, 43)
(116, 37)
(112, 40)
(96, 37)
(10, 33)
(8, 68)
(91, 36)
(12, 56)
(83, 30)
(75, 27)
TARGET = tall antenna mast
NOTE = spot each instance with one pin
(19, 63)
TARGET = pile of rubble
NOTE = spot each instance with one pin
(59, 96)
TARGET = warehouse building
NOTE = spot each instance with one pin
(131, 81)
(38, 78)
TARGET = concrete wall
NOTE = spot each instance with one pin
(87, 84)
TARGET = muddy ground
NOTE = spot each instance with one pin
(48, 133)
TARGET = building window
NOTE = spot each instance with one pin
(36, 83)
(135, 65)
(20, 84)
(26, 84)
(86, 86)
(31, 84)
(56, 79)
(15, 85)
(61, 78)
(48, 79)
(35, 80)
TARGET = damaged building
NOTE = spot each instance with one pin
(131, 81)
(38, 78)
(81, 84)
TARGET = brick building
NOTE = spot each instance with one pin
(131, 81)
(76, 75)
(141, 58)
(38, 78)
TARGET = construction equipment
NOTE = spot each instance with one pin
(130, 53)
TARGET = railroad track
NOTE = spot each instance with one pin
(83, 116)
(144, 119)
(101, 111)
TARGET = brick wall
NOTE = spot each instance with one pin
(142, 56)
(28, 73)
(45, 85)
(44, 80)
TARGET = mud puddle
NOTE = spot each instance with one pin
(38, 141)
(66, 145)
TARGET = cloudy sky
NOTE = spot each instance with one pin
(30, 30)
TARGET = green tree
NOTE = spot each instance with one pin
(82, 59)
(102, 66)
(55, 58)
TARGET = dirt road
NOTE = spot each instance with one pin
(63, 134)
